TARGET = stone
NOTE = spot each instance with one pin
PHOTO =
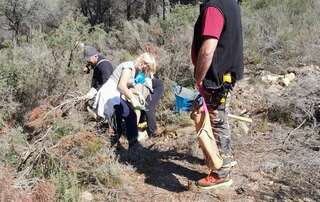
(86, 197)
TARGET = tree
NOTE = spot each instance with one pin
(150, 9)
(19, 15)
(133, 8)
(97, 11)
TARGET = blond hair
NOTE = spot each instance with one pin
(150, 61)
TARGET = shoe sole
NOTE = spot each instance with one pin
(218, 186)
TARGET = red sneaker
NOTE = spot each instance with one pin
(213, 181)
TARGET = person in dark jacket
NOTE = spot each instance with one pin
(217, 54)
(102, 70)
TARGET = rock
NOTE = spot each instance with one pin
(283, 80)
(271, 167)
(244, 128)
(271, 78)
(86, 196)
(288, 78)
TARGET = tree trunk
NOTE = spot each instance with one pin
(164, 9)
(128, 10)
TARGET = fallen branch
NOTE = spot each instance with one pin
(73, 100)
(45, 135)
(26, 157)
(240, 118)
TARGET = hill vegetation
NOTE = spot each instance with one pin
(49, 155)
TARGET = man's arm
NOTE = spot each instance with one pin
(205, 59)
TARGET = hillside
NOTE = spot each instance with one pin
(51, 150)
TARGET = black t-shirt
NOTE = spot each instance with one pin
(101, 72)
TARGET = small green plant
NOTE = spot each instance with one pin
(109, 175)
(13, 144)
(68, 188)
(92, 147)
(46, 165)
(12, 157)
(181, 16)
(62, 127)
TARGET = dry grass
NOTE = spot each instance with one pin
(44, 192)
(7, 192)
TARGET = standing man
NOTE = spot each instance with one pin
(217, 54)
(102, 70)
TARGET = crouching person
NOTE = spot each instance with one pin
(102, 70)
(116, 93)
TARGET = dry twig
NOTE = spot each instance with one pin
(70, 101)
(45, 135)
(292, 132)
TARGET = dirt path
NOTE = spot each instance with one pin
(171, 165)
(276, 162)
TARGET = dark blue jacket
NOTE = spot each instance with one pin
(101, 72)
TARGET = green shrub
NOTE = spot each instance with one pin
(62, 127)
(280, 33)
(109, 175)
(13, 145)
(67, 186)
(94, 146)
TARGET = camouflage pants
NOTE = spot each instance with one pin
(220, 125)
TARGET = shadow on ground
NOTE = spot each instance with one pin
(159, 171)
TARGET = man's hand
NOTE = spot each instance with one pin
(198, 85)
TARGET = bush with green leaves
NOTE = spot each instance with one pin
(279, 34)
(50, 65)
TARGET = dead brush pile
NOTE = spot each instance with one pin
(48, 111)
(60, 154)
(300, 102)
(10, 189)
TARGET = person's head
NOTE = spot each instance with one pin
(146, 63)
(91, 57)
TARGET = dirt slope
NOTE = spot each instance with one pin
(278, 154)
(277, 160)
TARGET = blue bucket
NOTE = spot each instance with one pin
(184, 98)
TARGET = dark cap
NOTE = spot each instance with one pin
(89, 51)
